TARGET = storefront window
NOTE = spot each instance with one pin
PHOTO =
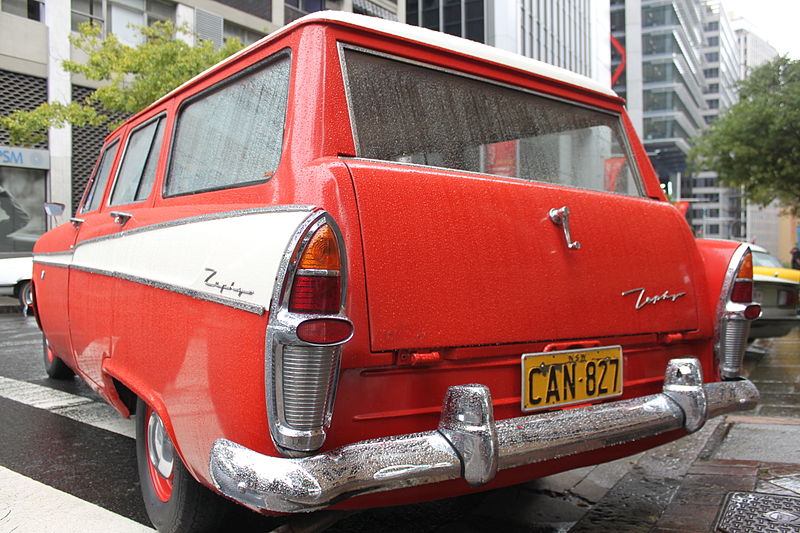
(22, 220)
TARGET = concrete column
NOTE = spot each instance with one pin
(277, 13)
(59, 89)
(633, 70)
(184, 15)
(600, 48)
(502, 25)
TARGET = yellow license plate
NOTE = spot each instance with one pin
(552, 379)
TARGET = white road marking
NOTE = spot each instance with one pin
(72, 406)
(29, 506)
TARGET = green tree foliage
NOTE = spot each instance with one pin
(755, 145)
(133, 78)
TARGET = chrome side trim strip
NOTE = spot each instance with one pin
(229, 302)
(314, 482)
(51, 263)
(201, 218)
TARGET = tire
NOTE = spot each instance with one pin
(25, 296)
(54, 366)
(174, 501)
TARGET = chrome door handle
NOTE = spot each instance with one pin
(76, 221)
(560, 217)
(120, 217)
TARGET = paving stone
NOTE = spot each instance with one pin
(721, 481)
(762, 442)
(633, 505)
(689, 517)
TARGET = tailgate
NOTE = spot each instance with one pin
(455, 259)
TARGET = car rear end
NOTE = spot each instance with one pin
(518, 297)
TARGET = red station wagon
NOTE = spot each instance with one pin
(362, 264)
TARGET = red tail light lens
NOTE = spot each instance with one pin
(324, 331)
(315, 294)
(317, 286)
(743, 286)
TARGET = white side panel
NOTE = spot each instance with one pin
(233, 260)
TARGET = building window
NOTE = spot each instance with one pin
(294, 9)
(712, 57)
(713, 104)
(258, 8)
(713, 41)
(618, 20)
(119, 16)
(87, 11)
(711, 72)
(713, 229)
(246, 35)
(30, 9)
(712, 26)
(445, 15)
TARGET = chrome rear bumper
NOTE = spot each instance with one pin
(470, 444)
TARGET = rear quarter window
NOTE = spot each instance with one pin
(232, 134)
(411, 113)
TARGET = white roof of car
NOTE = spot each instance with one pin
(428, 37)
(457, 44)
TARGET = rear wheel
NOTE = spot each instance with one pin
(174, 501)
(54, 366)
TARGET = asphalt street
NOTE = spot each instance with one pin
(67, 463)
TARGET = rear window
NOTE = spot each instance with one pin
(232, 134)
(415, 114)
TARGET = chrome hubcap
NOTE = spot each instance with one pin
(161, 452)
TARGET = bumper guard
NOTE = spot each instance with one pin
(470, 444)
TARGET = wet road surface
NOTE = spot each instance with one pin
(67, 463)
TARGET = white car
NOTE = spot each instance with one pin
(779, 299)
(15, 278)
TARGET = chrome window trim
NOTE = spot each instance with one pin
(282, 331)
(632, 162)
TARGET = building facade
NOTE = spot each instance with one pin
(572, 34)
(657, 64)
(718, 211)
(34, 40)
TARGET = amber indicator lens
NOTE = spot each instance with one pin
(322, 252)
(324, 331)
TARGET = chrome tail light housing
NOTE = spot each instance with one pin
(735, 312)
(307, 327)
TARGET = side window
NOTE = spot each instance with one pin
(137, 172)
(233, 134)
(98, 183)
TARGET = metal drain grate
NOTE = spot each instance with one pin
(745, 512)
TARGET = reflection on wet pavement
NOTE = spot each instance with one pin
(777, 376)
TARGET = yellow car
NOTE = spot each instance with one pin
(768, 265)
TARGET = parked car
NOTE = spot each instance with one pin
(362, 263)
(778, 298)
(15, 277)
(767, 264)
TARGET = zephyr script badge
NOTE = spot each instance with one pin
(643, 300)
